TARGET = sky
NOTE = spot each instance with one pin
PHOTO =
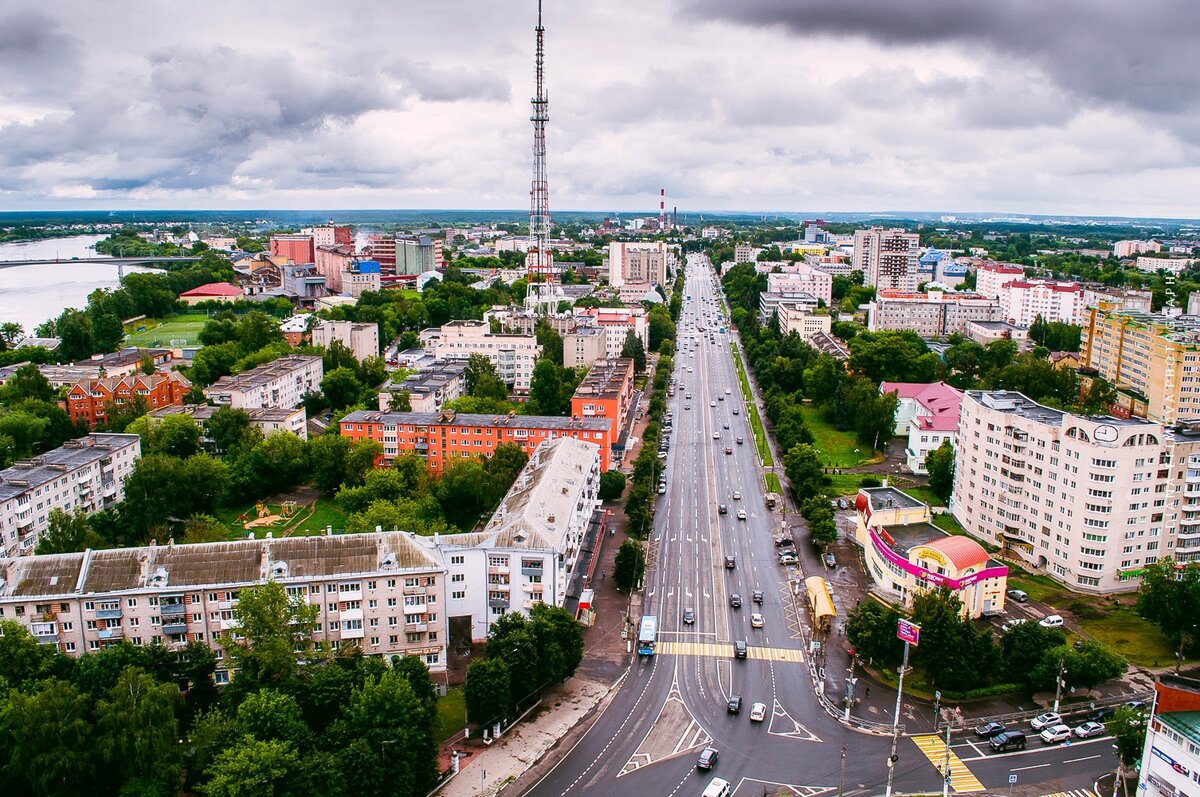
(1086, 107)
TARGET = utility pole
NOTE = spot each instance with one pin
(842, 773)
(1058, 683)
(946, 766)
(891, 762)
(851, 690)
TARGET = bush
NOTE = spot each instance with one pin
(869, 481)
(983, 691)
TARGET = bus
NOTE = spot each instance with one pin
(647, 635)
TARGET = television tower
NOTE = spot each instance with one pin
(539, 260)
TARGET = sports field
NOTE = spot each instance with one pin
(180, 330)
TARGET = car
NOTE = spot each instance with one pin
(842, 504)
(1101, 714)
(723, 509)
(707, 758)
(736, 411)
(1051, 621)
(1013, 623)
(662, 488)
(739, 441)
(739, 649)
(689, 616)
(728, 450)
(1055, 734)
(688, 396)
(711, 403)
(1008, 740)
(687, 406)
(989, 729)
(730, 562)
(737, 495)
(788, 558)
(728, 391)
(757, 596)
(784, 541)
(734, 706)
(829, 560)
(720, 398)
(717, 787)
(756, 620)
(1136, 705)
(741, 514)
(662, 454)
(758, 712)
(716, 435)
(1089, 729)
(735, 600)
(725, 426)
(1045, 720)
(1019, 595)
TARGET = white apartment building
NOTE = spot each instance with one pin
(430, 389)
(1122, 299)
(382, 592)
(1022, 301)
(361, 339)
(1173, 265)
(801, 320)
(529, 551)
(887, 258)
(268, 419)
(637, 262)
(743, 253)
(802, 278)
(582, 346)
(283, 382)
(513, 355)
(934, 314)
(991, 277)
(616, 323)
(86, 474)
(1087, 500)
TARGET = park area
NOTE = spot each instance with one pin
(175, 332)
(299, 513)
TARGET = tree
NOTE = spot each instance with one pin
(871, 629)
(612, 484)
(68, 533)
(874, 415)
(940, 464)
(660, 328)
(177, 435)
(51, 745)
(487, 691)
(822, 527)
(11, 332)
(269, 715)
(892, 356)
(633, 349)
(953, 653)
(560, 640)
(550, 341)
(228, 428)
(1023, 646)
(204, 528)
(138, 734)
(27, 382)
(1128, 726)
(629, 565)
(803, 468)
(254, 767)
(545, 389)
(1169, 597)
(274, 629)
(107, 331)
(23, 661)
(482, 379)
(400, 401)
(328, 454)
(341, 388)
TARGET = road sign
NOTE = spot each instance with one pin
(908, 632)
(1012, 778)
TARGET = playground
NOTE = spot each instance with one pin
(299, 513)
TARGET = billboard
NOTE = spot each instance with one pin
(909, 632)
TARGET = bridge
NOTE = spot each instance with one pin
(113, 261)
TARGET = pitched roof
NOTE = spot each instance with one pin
(964, 552)
(214, 289)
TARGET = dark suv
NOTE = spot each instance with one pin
(730, 562)
(735, 600)
(1009, 740)
(739, 649)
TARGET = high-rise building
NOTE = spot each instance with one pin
(416, 254)
(1023, 301)
(641, 262)
(888, 259)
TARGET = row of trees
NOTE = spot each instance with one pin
(298, 719)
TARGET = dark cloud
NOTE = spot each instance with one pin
(1140, 55)
(36, 57)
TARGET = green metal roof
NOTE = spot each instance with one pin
(1185, 722)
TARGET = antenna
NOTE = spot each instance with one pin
(538, 262)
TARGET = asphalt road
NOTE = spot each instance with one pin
(672, 705)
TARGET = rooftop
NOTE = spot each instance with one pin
(1014, 403)
(890, 498)
(449, 418)
(606, 378)
(263, 374)
(214, 289)
(30, 474)
(202, 412)
(431, 379)
(126, 356)
(1187, 723)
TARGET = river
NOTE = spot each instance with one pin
(30, 295)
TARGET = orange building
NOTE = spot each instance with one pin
(441, 437)
(293, 248)
(89, 399)
(606, 392)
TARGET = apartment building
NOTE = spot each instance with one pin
(90, 400)
(638, 262)
(513, 355)
(529, 551)
(800, 318)
(1088, 500)
(836, 264)
(927, 414)
(87, 474)
(267, 419)
(362, 339)
(887, 258)
(430, 389)
(1170, 765)
(991, 277)
(283, 382)
(1131, 248)
(934, 314)
(1153, 360)
(124, 361)
(606, 392)
(1121, 298)
(743, 253)
(583, 346)
(802, 278)
(1172, 265)
(382, 592)
(1022, 301)
(616, 322)
(441, 437)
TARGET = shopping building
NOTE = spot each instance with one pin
(85, 475)
(1170, 765)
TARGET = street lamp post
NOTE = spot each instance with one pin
(891, 762)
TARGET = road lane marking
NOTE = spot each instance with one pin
(933, 748)
(1032, 766)
(1075, 760)
(725, 651)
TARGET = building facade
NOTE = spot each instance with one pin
(640, 262)
(332, 262)
(381, 592)
(803, 321)
(439, 438)
(991, 277)
(931, 315)
(85, 475)
(360, 338)
(1170, 765)
(887, 258)
(513, 355)
(91, 400)
(606, 392)
(1022, 301)
(927, 414)
(283, 382)
(267, 419)
(802, 278)
(430, 389)
(583, 346)
(417, 254)
(616, 322)
(292, 248)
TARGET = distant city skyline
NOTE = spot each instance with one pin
(1083, 109)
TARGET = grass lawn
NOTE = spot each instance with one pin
(451, 714)
(183, 330)
(325, 513)
(838, 449)
(756, 425)
(1121, 629)
(773, 485)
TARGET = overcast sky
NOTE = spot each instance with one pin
(1068, 106)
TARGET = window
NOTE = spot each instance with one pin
(458, 596)
(457, 577)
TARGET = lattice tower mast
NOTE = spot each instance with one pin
(538, 261)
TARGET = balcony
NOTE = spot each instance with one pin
(416, 628)
(166, 610)
(419, 609)
(499, 587)
(112, 633)
(351, 614)
(352, 633)
(532, 571)
(494, 570)
(535, 589)
(108, 614)
(175, 628)
(498, 603)
(414, 590)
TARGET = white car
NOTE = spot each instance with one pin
(1056, 734)
(741, 514)
(737, 495)
(1047, 720)
(716, 435)
(1089, 729)
(711, 403)
(758, 712)
(1051, 621)
(756, 620)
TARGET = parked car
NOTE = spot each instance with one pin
(734, 706)
(784, 541)
(1008, 740)
(1055, 734)
(1046, 720)
(735, 600)
(829, 560)
(707, 759)
(842, 503)
(756, 620)
(1089, 729)
(662, 488)
(1013, 623)
(758, 712)
(1136, 705)
(788, 558)
(739, 649)
(1051, 621)
(1102, 715)
(757, 596)
(1019, 595)
(990, 729)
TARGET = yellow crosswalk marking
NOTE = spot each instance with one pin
(934, 749)
(725, 651)
(1073, 793)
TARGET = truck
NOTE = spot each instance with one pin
(772, 500)
(647, 635)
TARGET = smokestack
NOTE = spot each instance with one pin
(675, 217)
(662, 207)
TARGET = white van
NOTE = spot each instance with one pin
(717, 787)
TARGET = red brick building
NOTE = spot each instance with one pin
(294, 248)
(440, 437)
(89, 399)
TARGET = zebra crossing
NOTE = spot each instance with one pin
(1073, 793)
(719, 650)
(961, 778)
